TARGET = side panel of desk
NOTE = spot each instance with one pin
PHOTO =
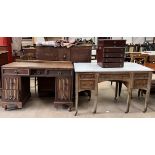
(3, 61)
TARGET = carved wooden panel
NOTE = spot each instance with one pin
(63, 89)
(11, 82)
(10, 95)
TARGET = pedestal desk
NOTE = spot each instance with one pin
(135, 76)
(16, 81)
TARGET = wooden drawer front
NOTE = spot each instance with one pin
(112, 43)
(63, 89)
(10, 95)
(16, 71)
(11, 83)
(87, 84)
(87, 76)
(37, 72)
(59, 73)
(117, 50)
(141, 75)
(141, 83)
(113, 55)
(113, 59)
(120, 76)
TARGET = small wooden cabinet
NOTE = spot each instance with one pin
(111, 53)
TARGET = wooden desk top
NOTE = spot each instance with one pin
(94, 67)
(67, 65)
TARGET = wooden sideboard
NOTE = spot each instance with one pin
(135, 76)
(3, 61)
(16, 81)
(81, 53)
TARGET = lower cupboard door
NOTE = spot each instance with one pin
(10, 95)
(63, 89)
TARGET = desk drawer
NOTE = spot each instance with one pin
(141, 75)
(87, 84)
(56, 73)
(141, 83)
(16, 71)
(37, 72)
(117, 76)
(87, 76)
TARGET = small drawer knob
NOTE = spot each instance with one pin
(59, 73)
(16, 72)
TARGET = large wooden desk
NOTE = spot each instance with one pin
(88, 75)
(16, 81)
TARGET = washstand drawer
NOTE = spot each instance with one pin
(87, 84)
(87, 76)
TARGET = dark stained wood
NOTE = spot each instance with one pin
(111, 53)
(74, 53)
(3, 60)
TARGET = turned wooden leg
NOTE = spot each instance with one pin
(139, 92)
(128, 101)
(146, 100)
(120, 87)
(116, 91)
(76, 95)
(148, 92)
(96, 97)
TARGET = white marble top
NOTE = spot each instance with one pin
(94, 67)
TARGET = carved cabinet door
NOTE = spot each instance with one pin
(63, 89)
(11, 86)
